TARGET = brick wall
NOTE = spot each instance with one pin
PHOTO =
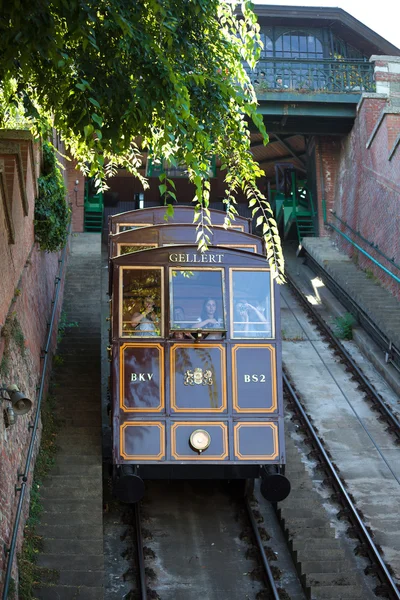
(28, 277)
(367, 192)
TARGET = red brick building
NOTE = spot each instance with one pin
(26, 294)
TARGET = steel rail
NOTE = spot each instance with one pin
(394, 423)
(373, 551)
(267, 568)
(33, 428)
(392, 353)
(140, 554)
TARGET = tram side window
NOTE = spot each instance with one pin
(141, 302)
(197, 300)
(251, 304)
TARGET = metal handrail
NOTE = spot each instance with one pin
(33, 428)
(370, 244)
(376, 262)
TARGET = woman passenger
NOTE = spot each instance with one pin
(209, 318)
(146, 322)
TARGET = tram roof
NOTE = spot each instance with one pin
(182, 233)
(156, 215)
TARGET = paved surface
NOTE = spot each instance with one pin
(71, 523)
(325, 554)
(381, 306)
(365, 453)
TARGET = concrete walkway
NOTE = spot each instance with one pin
(72, 520)
(379, 304)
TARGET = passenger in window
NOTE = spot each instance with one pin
(179, 318)
(146, 323)
(209, 318)
(252, 320)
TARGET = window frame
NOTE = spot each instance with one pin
(162, 303)
(272, 304)
(171, 298)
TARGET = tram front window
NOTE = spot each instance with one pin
(251, 304)
(141, 302)
(197, 301)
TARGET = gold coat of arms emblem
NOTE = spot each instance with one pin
(198, 377)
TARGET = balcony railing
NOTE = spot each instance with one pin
(313, 76)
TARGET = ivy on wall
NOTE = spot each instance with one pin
(52, 213)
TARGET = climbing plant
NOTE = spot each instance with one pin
(167, 78)
(52, 213)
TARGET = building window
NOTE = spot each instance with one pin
(298, 44)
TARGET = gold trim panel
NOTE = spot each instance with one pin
(236, 246)
(158, 456)
(273, 380)
(272, 426)
(172, 374)
(199, 457)
(120, 244)
(161, 405)
(138, 225)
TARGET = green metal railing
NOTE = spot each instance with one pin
(313, 75)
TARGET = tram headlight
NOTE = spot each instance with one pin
(200, 440)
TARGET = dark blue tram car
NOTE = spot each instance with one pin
(196, 360)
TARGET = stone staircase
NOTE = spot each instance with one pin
(72, 519)
(323, 556)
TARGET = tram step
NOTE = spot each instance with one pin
(77, 518)
(319, 545)
(66, 531)
(73, 459)
(325, 552)
(68, 592)
(72, 546)
(300, 533)
(304, 523)
(75, 471)
(83, 420)
(334, 592)
(75, 562)
(325, 567)
(91, 476)
(73, 507)
(58, 494)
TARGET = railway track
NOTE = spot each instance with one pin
(385, 411)
(308, 413)
(201, 564)
(367, 546)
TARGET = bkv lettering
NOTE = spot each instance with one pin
(141, 376)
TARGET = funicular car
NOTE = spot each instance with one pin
(196, 360)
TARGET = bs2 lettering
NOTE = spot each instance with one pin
(254, 378)
(141, 376)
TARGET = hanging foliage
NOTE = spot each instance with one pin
(168, 77)
(52, 213)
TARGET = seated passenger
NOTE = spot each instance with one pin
(209, 318)
(253, 322)
(146, 322)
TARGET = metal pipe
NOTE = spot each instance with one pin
(22, 489)
(376, 249)
(378, 264)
